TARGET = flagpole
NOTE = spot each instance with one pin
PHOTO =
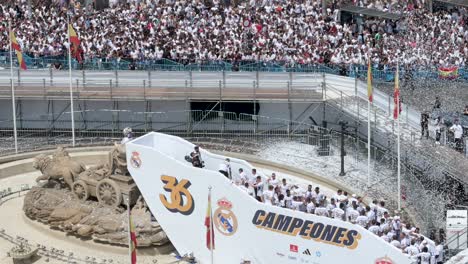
(211, 228)
(368, 142)
(71, 85)
(398, 144)
(13, 100)
(129, 231)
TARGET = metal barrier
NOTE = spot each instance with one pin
(360, 71)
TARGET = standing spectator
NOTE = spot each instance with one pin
(438, 129)
(437, 103)
(458, 135)
(424, 125)
(465, 111)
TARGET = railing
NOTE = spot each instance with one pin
(378, 73)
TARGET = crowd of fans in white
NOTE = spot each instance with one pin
(291, 32)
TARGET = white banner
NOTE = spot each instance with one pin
(244, 229)
(457, 222)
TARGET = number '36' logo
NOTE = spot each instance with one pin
(181, 201)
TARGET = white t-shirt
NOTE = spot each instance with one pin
(457, 130)
(412, 250)
(287, 201)
(295, 205)
(273, 182)
(337, 213)
(425, 257)
(284, 188)
(268, 197)
(374, 229)
(321, 211)
(310, 207)
(395, 243)
(352, 214)
(243, 176)
(259, 188)
(362, 220)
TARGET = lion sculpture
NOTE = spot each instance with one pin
(58, 167)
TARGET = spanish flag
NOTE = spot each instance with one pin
(133, 241)
(15, 46)
(209, 224)
(396, 95)
(75, 43)
(369, 80)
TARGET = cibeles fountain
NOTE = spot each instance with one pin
(88, 203)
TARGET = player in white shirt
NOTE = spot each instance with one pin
(338, 212)
(308, 193)
(321, 210)
(273, 180)
(268, 195)
(338, 196)
(331, 205)
(381, 209)
(424, 256)
(457, 133)
(362, 220)
(243, 176)
(284, 186)
(412, 250)
(352, 213)
(395, 242)
(258, 188)
(375, 227)
(317, 195)
(310, 206)
(288, 199)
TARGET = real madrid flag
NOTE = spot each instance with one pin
(132, 241)
(209, 225)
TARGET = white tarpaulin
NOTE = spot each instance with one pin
(244, 228)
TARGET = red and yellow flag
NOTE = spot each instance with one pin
(209, 224)
(15, 46)
(369, 80)
(396, 95)
(75, 43)
(133, 241)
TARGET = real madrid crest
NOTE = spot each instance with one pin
(135, 160)
(384, 260)
(225, 220)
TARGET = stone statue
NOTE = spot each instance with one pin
(117, 160)
(60, 166)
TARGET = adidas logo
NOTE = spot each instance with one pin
(306, 252)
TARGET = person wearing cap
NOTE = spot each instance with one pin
(225, 168)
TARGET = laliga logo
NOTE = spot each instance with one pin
(384, 260)
(224, 219)
(135, 160)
